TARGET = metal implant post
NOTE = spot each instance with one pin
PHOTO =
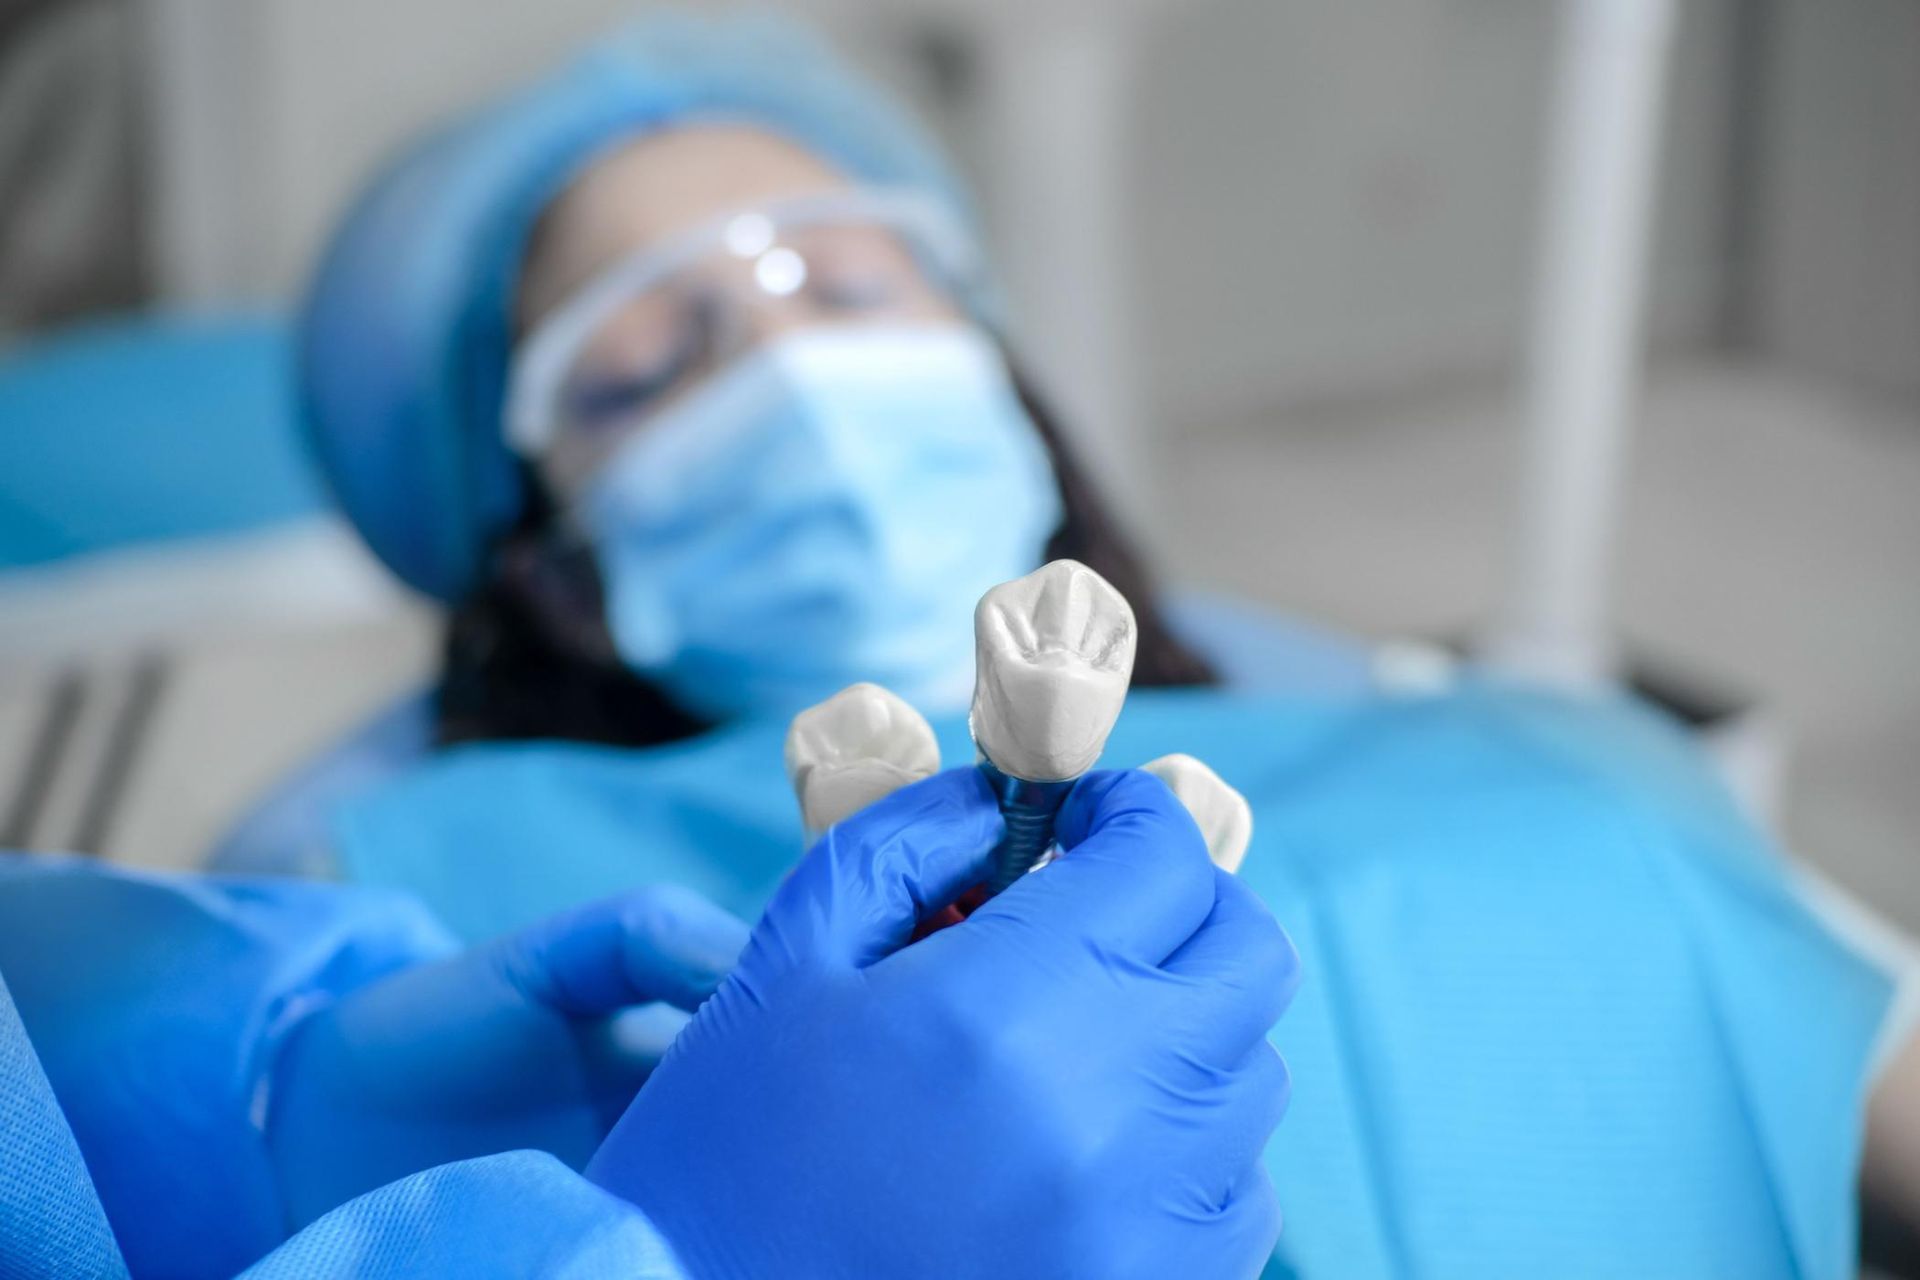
(1029, 809)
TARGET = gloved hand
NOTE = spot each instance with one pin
(1074, 1081)
(537, 1040)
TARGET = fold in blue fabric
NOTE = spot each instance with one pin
(155, 1004)
(51, 1224)
(1562, 1013)
(519, 1214)
(153, 1001)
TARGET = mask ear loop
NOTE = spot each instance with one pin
(541, 364)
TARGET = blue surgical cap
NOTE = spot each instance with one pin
(407, 332)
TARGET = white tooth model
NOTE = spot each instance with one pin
(1221, 813)
(861, 745)
(1054, 655)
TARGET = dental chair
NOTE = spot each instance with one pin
(142, 433)
(153, 486)
(165, 544)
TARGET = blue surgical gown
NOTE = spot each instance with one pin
(1562, 1013)
(137, 1014)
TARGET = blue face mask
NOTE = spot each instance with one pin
(827, 510)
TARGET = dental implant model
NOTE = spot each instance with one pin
(1222, 814)
(859, 746)
(1054, 655)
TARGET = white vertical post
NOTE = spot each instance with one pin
(1588, 339)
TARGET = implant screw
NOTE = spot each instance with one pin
(1029, 809)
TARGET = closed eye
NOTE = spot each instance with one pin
(598, 401)
(606, 402)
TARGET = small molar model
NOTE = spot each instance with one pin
(1054, 655)
(859, 746)
(1222, 814)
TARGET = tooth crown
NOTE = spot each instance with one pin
(1222, 813)
(1054, 655)
(859, 746)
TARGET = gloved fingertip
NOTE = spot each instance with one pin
(864, 889)
(1076, 817)
(963, 785)
(700, 921)
(1260, 940)
(680, 945)
(1106, 795)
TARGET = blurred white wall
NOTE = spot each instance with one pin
(1838, 291)
(272, 112)
(1325, 200)
(1315, 199)
(1341, 198)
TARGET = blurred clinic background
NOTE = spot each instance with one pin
(1343, 298)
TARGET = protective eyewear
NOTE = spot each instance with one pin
(659, 321)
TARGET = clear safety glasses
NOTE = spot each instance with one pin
(658, 322)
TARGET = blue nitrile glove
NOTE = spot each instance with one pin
(1075, 1081)
(537, 1040)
